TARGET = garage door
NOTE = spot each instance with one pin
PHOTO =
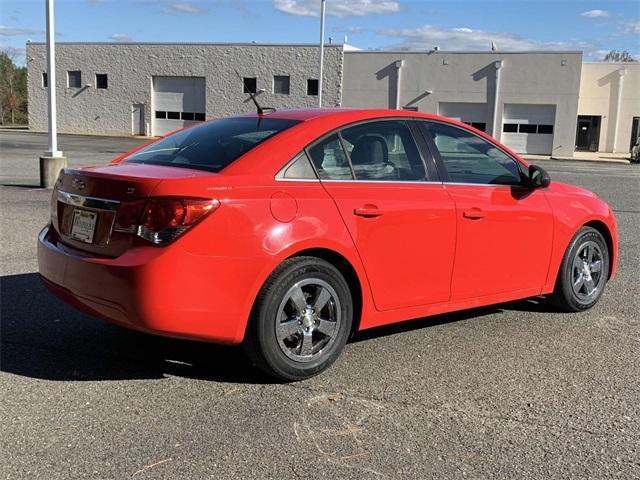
(474, 114)
(529, 128)
(177, 102)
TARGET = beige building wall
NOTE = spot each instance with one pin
(431, 80)
(611, 91)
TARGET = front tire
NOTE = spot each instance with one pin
(583, 273)
(301, 320)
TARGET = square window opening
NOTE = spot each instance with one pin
(281, 84)
(102, 81)
(74, 79)
(45, 80)
(312, 86)
(250, 85)
(510, 128)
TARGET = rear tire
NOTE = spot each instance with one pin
(301, 319)
(583, 273)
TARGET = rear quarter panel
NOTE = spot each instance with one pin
(243, 242)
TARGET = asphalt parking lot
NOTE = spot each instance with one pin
(513, 391)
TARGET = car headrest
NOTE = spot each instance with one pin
(370, 149)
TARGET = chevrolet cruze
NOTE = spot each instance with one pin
(289, 231)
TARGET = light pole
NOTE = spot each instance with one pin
(53, 160)
(322, 7)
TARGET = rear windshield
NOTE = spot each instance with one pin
(211, 146)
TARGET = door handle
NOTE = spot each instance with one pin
(368, 211)
(474, 213)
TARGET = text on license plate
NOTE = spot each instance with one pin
(84, 225)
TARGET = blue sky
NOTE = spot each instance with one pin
(594, 27)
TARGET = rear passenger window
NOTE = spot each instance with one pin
(298, 169)
(468, 158)
(383, 150)
(330, 160)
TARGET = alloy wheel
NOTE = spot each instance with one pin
(308, 320)
(587, 278)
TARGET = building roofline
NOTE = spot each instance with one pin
(448, 52)
(595, 62)
(223, 44)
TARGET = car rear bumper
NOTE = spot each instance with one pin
(166, 291)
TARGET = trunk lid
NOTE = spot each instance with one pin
(86, 202)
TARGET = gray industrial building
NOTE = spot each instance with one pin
(530, 101)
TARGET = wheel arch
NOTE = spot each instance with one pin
(603, 229)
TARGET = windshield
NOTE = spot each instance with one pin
(211, 146)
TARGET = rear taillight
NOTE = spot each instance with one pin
(161, 220)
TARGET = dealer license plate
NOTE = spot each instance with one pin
(84, 225)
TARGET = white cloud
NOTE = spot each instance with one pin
(337, 8)
(428, 36)
(347, 29)
(184, 7)
(595, 13)
(632, 28)
(17, 32)
(120, 37)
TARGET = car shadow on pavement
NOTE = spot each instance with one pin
(42, 337)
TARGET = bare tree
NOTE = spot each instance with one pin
(618, 56)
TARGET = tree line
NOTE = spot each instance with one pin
(13, 91)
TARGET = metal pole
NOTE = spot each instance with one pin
(52, 161)
(51, 83)
(322, 7)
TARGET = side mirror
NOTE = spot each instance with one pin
(538, 177)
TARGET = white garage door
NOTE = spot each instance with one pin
(474, 114)
(177, 102)
(529, 128)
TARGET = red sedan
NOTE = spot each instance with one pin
(289, 231)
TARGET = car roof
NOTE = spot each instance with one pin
(340, 112)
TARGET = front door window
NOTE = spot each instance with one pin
(468, 158)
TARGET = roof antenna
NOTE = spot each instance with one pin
(261, 111)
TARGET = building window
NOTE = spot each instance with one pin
(199, 117)
(545, 129)
(45, 80)
(528, 128)
(312, 86)
(250, 85)
(510, 128)
(281, 84)
(74, 79)
(161, 114)
(173, 115)
(101, 80)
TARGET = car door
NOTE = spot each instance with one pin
(505, 228)
(401, 220)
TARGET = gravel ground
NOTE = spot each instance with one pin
(512, 391)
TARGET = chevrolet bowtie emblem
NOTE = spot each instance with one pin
(77, 184)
